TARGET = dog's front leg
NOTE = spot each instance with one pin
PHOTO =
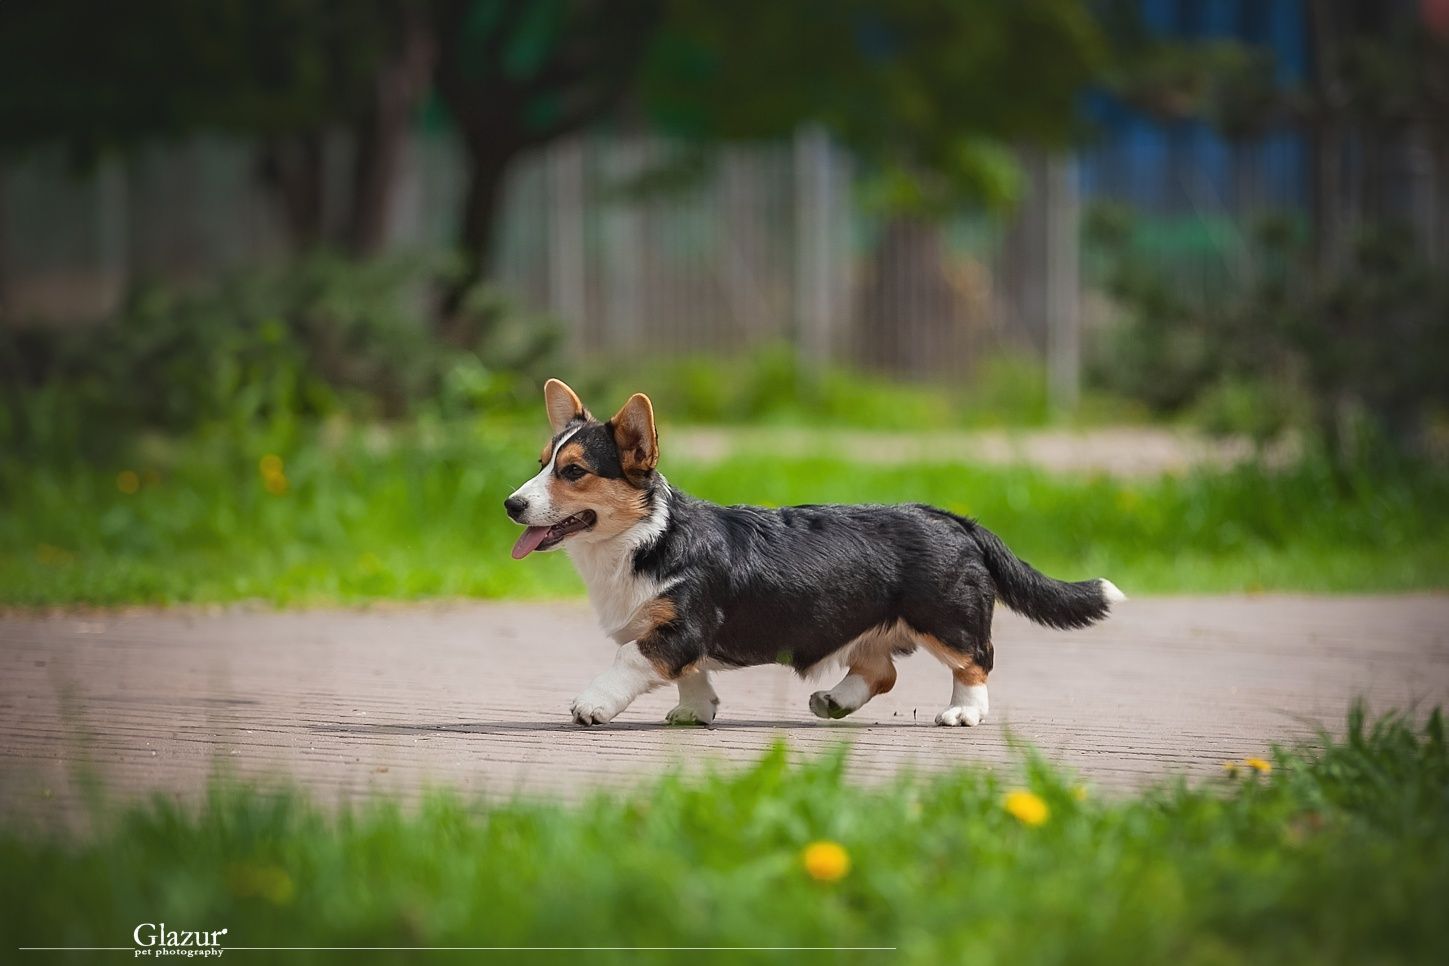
(631, 675)
(697, 700)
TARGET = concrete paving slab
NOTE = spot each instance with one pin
(475, 697)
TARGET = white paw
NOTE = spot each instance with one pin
(824, 705)
(964, 716)
(692, 714)
(591, 708)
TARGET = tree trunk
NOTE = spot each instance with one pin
(292, 167)
(910, 311)
(378, 143)
(486, 171)
(4, 253)
(1324, 139)
(381, 132)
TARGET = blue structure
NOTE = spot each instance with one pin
(1183, 166)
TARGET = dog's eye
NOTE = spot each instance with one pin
(573, 472)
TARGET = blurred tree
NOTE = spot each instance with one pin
(1374, 103)
(99, 78)
(931, 93)
(402, 80)
(1373, 111)
(927, 92)
(933, 97)
(515, 74)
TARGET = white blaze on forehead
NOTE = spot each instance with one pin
(535, 491)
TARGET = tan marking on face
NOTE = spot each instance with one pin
(619, 504)
(571, 453)
(568, 494)
(963, 666)
(547, 456)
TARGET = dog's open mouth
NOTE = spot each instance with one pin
(542, 538)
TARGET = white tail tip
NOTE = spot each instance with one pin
(1110, 591)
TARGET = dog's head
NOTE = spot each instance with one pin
(594, 477)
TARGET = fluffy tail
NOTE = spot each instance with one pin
(1031, 593)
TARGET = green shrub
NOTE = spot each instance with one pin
(1256, 408)
(264, 348)
(1346, 351)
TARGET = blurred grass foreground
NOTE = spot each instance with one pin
(1337, 852)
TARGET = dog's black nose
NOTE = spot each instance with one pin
(515, 505)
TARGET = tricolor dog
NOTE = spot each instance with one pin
(685, 587)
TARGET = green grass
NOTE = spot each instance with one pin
(416, 512)
(774, 387)
(1341, 854)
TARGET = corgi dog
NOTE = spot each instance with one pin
(685, 587)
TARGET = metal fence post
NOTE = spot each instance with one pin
(567, 294)
(1063, 284)
(623, 232)
(814, 255)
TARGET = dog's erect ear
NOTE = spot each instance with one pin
(562, 403)
(634, 434)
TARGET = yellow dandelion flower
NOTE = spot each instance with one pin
(1079, 792)
(1026, 807)
(826, 861)
(1232, 768)
(1260, 765)
(128, 482)
(270, 465)
(275, 483)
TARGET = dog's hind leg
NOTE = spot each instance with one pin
(970, 663)
(697, 700)
(969, 704)
(872, 672)
(853, 691)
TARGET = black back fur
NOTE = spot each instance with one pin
(753, 585)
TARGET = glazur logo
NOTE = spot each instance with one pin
(158, 939)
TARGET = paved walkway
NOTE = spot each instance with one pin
(1132, 451)
(475, 696)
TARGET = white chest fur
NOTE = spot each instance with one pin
(607, 567)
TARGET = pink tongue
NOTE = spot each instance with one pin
(529, 542)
